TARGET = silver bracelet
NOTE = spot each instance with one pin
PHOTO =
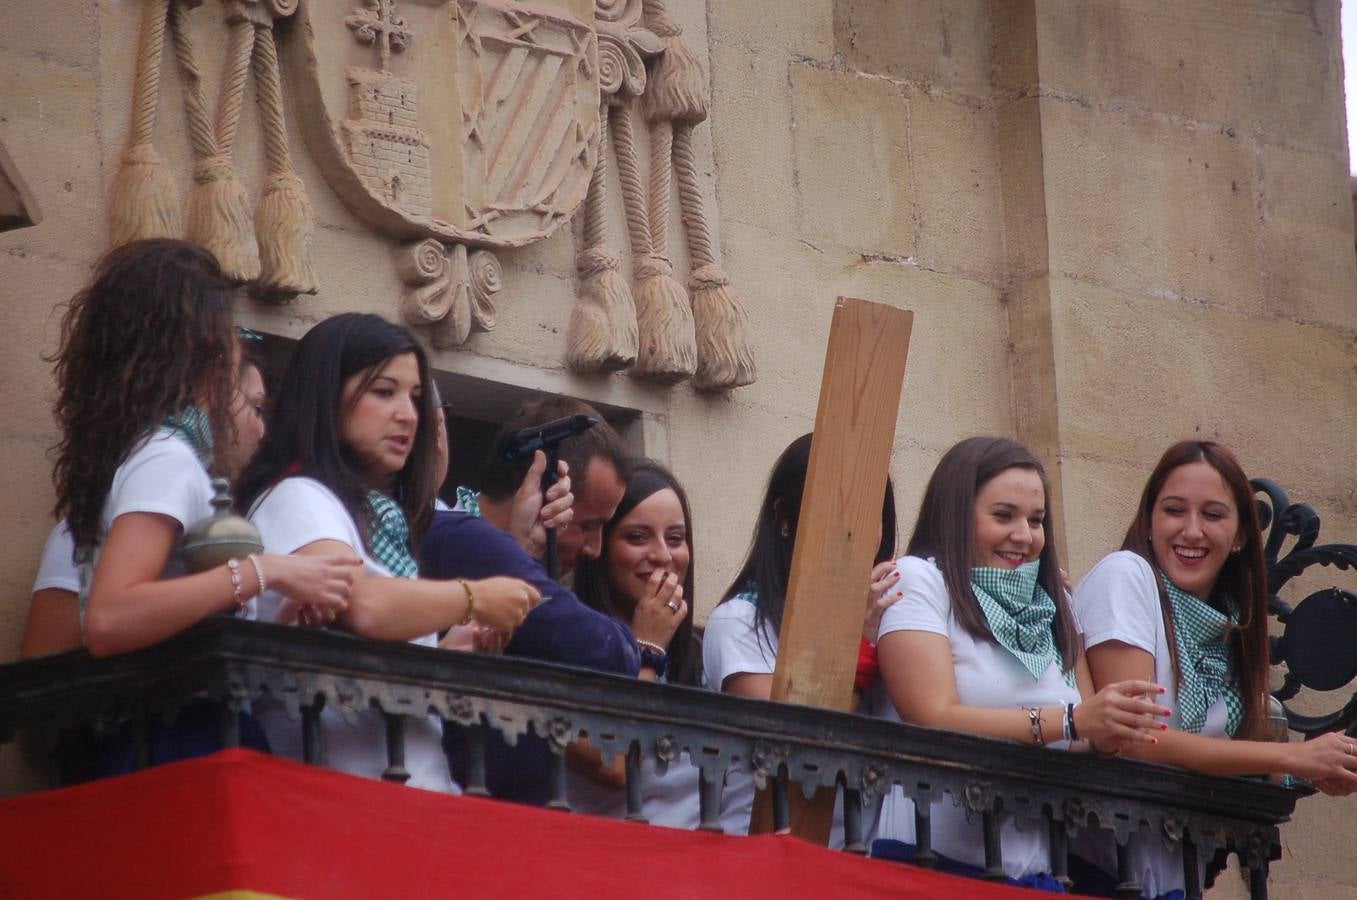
(1034, 720)
(649, 645)
(259, 571)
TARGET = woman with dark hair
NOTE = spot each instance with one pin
(54, 611)
(739, 646)
(1184, 601)
(644, 578)
(348, 468)
(984, 642)
(146, 377)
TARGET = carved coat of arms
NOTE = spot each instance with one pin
(473, 122)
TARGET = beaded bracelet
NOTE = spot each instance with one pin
(233, 565)
(259, 572)
(470, 602)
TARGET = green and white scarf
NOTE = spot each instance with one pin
(1204, 660)
(469, 501)
(390, 538)
(1020, 614)
(193, 427)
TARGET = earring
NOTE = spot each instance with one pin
(1237, 549)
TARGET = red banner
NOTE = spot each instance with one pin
(242, 822)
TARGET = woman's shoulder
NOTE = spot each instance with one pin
(160, 450)
(294, 490)
(1123, 567)
(919, 569)
(738, 609)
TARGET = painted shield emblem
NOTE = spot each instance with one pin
(467, 121)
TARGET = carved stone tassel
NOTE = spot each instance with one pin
(724, 357)
(218, 207)
(674, 102)
(142, 198)
(283, 217)
(668, 347)
(602, 333)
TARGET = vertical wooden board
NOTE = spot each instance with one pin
(839, 527)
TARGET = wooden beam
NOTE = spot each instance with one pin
(839, 528)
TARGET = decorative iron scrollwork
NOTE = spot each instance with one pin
(1318, 645)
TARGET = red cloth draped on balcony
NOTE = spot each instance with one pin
(239, 821)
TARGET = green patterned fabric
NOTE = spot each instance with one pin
(1020, 614)
(390, 538)
(1203, 660)
(193, 427)
(468, 501)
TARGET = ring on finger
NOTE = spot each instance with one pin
(1348, 748)
(674, 607)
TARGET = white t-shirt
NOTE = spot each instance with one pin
(57, 568)
(162, 476)
(732, 646)
(987, 675)
(1119, 601)
(292, 514)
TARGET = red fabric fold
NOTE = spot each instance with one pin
(239, 820)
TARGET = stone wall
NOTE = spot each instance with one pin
(1118, 223)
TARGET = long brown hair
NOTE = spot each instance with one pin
(150, 336)
(945, 531)
(592, 585)
(1242, 580)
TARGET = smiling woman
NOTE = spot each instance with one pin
(1185, 602)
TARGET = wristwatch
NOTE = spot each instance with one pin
(654, 659)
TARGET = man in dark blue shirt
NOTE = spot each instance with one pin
(475, 542)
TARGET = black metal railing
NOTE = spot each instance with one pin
(237, 662)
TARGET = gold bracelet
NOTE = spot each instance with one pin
(470, 602)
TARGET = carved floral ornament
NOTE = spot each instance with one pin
(458, 128)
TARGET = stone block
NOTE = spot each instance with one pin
(1271, 68)
(1099, 503)
(752, 113)
(955, 165)
(48, 125)
(1147, 206)
(853, 169)
(804, 29)
(1307, 221)
(941, 43)
(1136, 373)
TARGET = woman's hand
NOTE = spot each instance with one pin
(880, 597)
(1121, 716)
(1328, 761)
(502, 603)
(473, 639)
(660, 610)
(315, 589)
(529, 517)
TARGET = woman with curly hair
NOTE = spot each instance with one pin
(146, 376)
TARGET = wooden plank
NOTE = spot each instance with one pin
(839, 528)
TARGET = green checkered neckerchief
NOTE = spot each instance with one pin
(390, 538)
(469, 501)
(1020, 613)
(1203, 660)
(193, 427)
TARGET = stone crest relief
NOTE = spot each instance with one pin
(467, 121)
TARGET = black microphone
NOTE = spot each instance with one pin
(524, 442)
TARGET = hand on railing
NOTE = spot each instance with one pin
(880, 597)
(474, 639)
(1121, 716)
(315, 589)
(501, 603)
(1329, 762)
(660, 610)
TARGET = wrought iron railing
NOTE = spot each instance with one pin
(237, 662)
